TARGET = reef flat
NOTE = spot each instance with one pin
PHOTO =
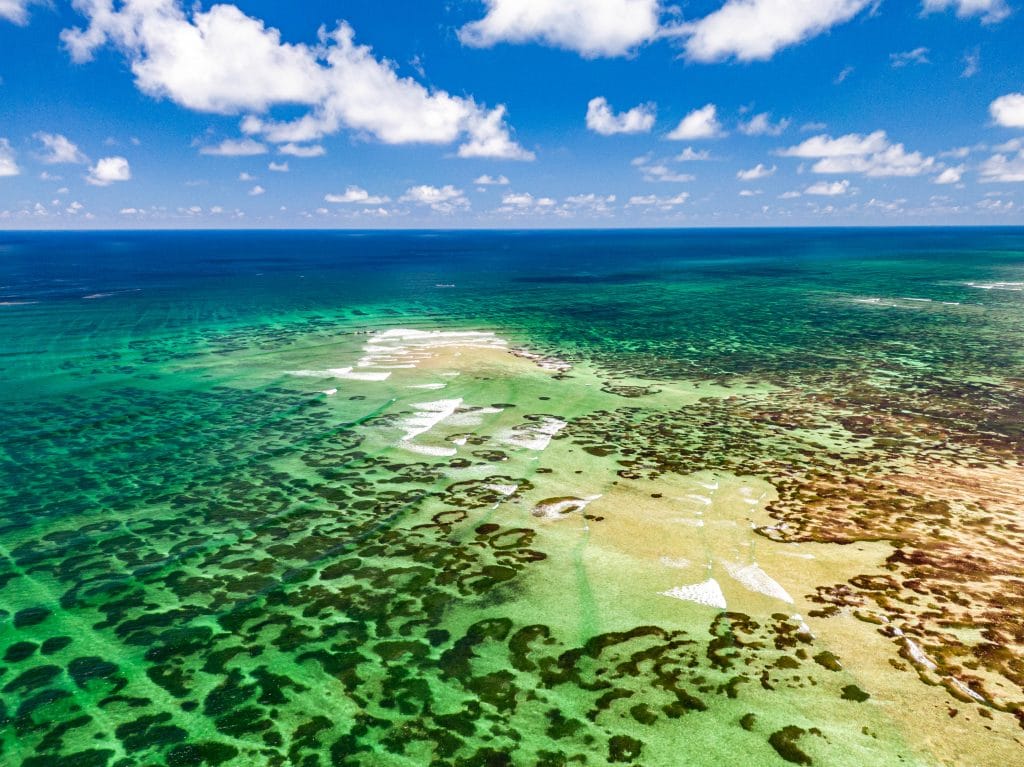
(270, 508)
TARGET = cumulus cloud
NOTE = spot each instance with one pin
(278, 167)
(990, 11)
(108, 170)
(871, 155)
(356, 195)
(972, 63)
(245, 147)
(699, 124)
(762, 125)
(486, 180)
(653, 201)
(519, 203)
(759, 171)
(445, 199)
(1008, 110)
(489, 137)
(895, 160)
(590, 202)
(58, 149)
(225, 62)
(302, 151)
(950, 175)
(1003, 168)
(693, 155)
(256, 191)
(826, 189)
(916, 56)
(658, 171)
(8, 165)
(844, 73)
(602, 119)
(15, 11)
(755, 30)
(850, 144)
(519, 200)
(592, 28)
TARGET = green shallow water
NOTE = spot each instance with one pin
(706, 499)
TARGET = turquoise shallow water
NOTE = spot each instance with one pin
(512, 498)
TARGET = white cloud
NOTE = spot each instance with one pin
(243, 176)
(886, 206)
(893, 161)
(256, 191)
(761, 125)
(523, 200)
(950, 175)
(445, 199)
(278, 167)
(305, 151)
(8, 166)
(750, 192)
(15, 11)
(244, 147)
(1008, 110)
(59, 149)
(995, 206)
(972, 63)
(226, 62)
(356, 195)
(590, 27)
(1003, 168)
(958, 154)
(593, 203)
(108, 170)
(844, 73)
(850, 144)
(991, 11)
(1013, 145)
(759, 171)
(871, 155)
(486, 180)
(653, 201)
(916, 56)
(692, 155)
(827, 189)
(790, 195)
(751, 30)
(658, 171)
(699, 124)
(601, 119)
(489, 137)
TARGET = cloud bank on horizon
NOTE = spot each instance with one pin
(790, 112)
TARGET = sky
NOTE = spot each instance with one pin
(517, 114)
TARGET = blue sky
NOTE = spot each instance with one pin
(510, 113)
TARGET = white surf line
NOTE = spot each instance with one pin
(427, 416)
(1014, 286)
(753, 578)
(707, 593)
(444, 452)
(343, 373)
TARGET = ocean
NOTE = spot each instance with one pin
(372, 499)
